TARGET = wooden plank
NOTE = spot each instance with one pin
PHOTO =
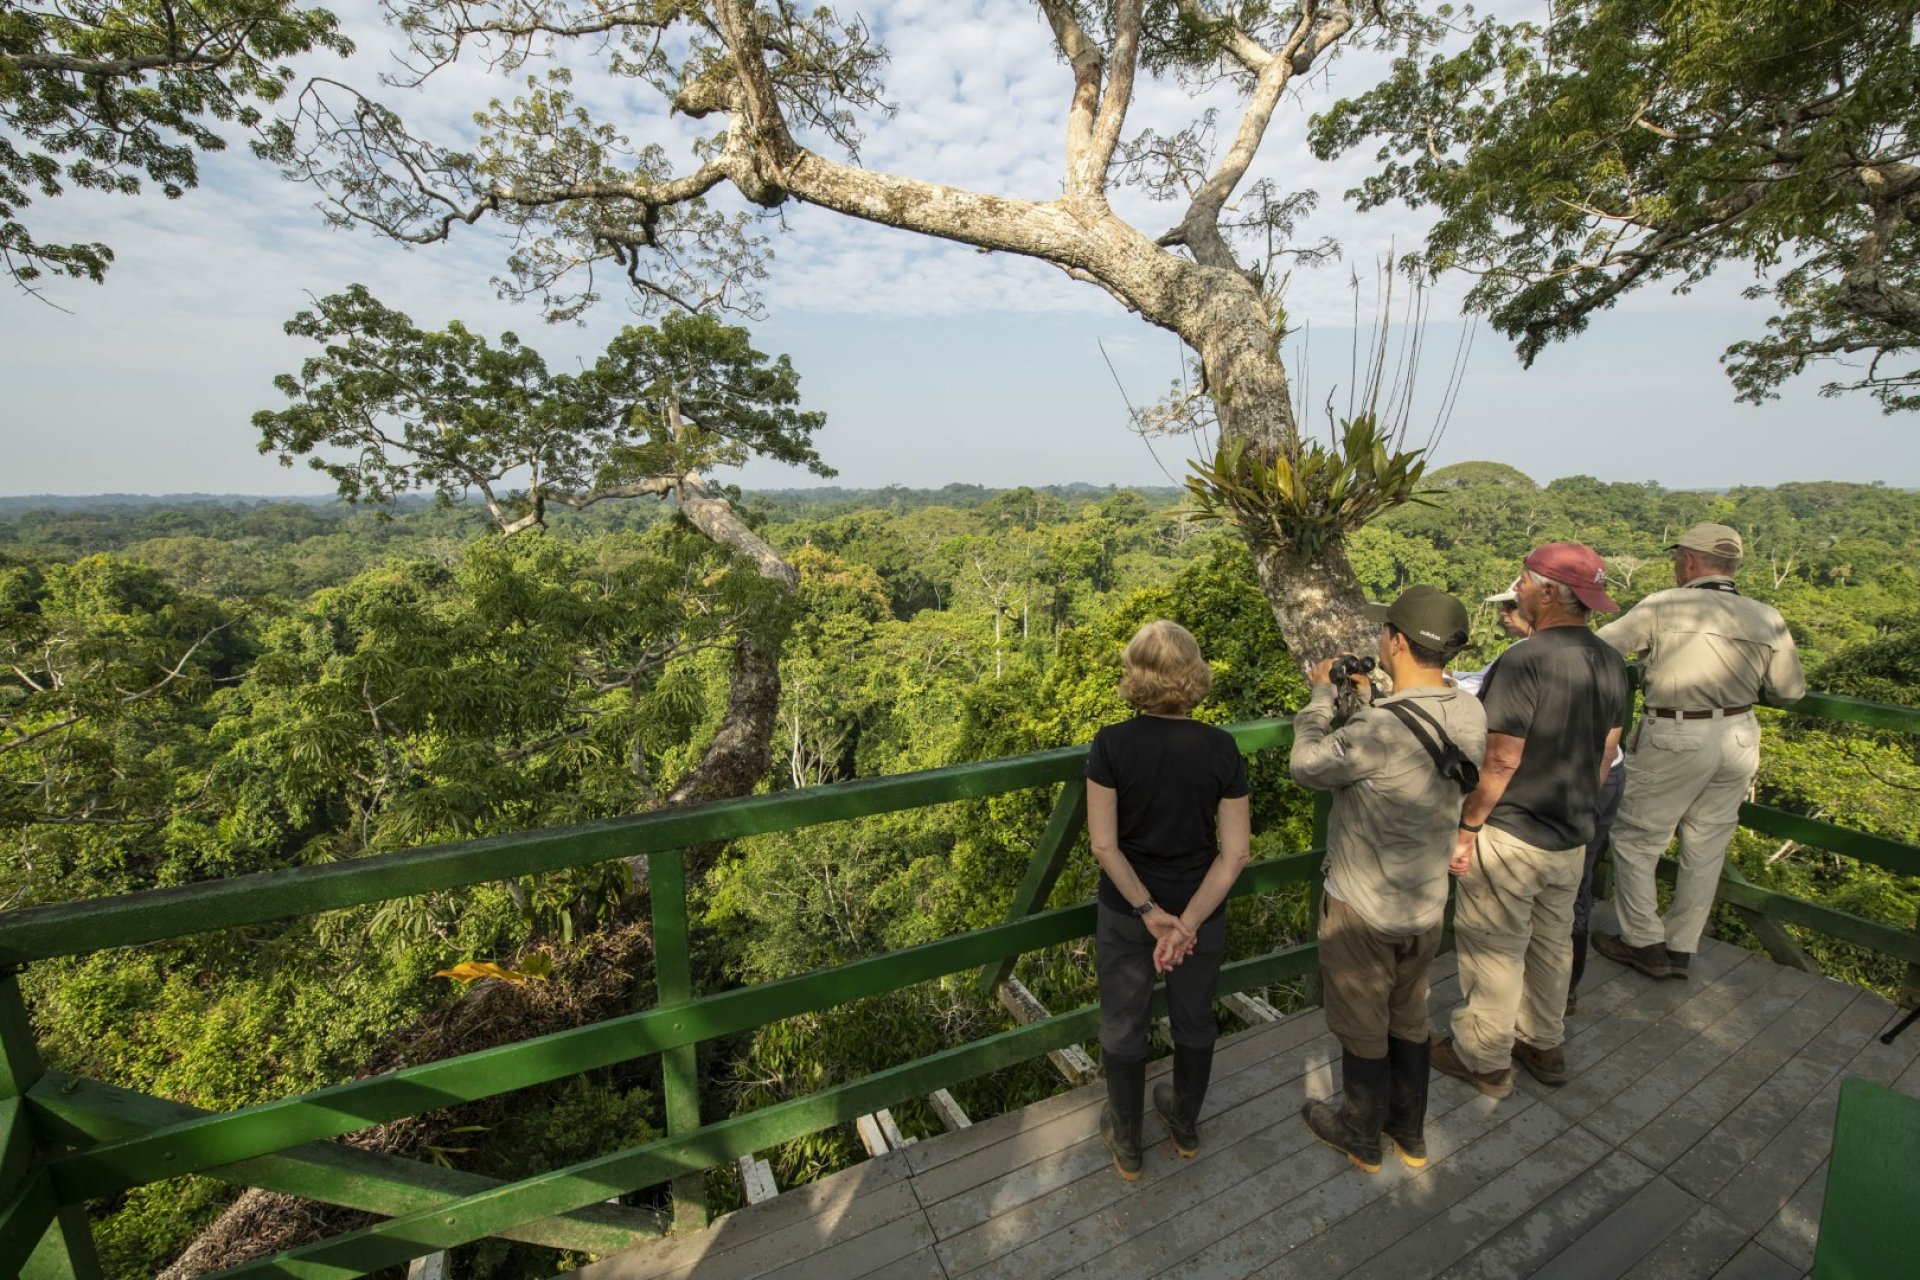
(1250, 1009)
(804, 1238)
(1748, 1128)
(1551, 1225)
(852, 1257)
(1755, 1263)
(891, 1131)
(1629, 1110)
(756, 1179)
(871, 1135)
(1699, 1248)
(1233, 1054)
(921, 1264)
(1621, 1239)
(1634, 1039)
(1249, 1232)
(1462, 1213)
(1072, 1062)
(1793, 1233)
(1761, 1189)
(1062, 1200)
(1689, 1119)
(785, 1222)
(432, 1267)
(948, 1110)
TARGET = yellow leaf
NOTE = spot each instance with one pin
(473, 970)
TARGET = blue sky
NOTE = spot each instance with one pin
(933, 363)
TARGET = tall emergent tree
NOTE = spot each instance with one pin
(388, 407)
(1628, 142)
(784, 88)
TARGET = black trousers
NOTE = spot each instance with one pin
(1123, 958)
(1605, 807)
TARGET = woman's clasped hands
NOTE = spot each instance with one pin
(1172, 940)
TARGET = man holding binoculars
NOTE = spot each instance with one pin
(1397, 768)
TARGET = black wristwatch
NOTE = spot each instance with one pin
(1143, 908)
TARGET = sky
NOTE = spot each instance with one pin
(934, 363)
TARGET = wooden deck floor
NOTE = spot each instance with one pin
(1691, 1142)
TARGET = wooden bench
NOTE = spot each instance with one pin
(1870, 1220)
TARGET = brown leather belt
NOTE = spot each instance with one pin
(1670, 713)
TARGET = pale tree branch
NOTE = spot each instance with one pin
(1088, 64)
(1119, 93)
(1252, 56)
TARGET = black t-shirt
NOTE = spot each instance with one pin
(1563, 690)
(1170, 776)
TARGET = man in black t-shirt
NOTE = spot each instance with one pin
(1555, 706)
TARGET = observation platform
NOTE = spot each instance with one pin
(1691, 1142)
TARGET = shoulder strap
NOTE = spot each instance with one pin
(1406, 714)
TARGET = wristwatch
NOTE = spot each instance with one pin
(1143, 908)
(1472, 828)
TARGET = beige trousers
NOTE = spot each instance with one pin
(1513, 928)
(1687, 776)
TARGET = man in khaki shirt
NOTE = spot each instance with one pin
(1707, 654)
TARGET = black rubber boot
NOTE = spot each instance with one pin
(1579, 967)
(1355, 1127)
(1120, 1118)
(1407, 1070)
(1179, 1102)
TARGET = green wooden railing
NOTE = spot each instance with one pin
(65, 1140)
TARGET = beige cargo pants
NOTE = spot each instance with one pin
(1513, 928)
(1687, 776)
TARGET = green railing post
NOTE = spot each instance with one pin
(1064, 824)
(1316, 890)
(39, 1239)
(1782, 947)
(673, 980)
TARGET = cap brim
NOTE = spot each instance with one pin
(1377, 613)
(1503, 597)
(1595, 599)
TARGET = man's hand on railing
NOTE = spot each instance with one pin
(1173, 941)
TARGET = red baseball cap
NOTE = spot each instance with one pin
(1578, 566)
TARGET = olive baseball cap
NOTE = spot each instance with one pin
(1429, 617)
(1713, 540)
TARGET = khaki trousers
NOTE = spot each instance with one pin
(1687, 776)
(1513, 927)
(1372, 984)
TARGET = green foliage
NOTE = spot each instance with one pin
(445, 411)
(97, 96)
(1628, 142)
(1310, 495)
(381, 684)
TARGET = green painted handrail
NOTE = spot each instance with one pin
(452, 1212)
(96, 924)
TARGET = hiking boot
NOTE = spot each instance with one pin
(1179, 1102)
(1651, 959)
(1548, 1066)
(1407, 1077)
(1120, 1118)
(1354, 1129)
(1677, 962)
(1495, 1084)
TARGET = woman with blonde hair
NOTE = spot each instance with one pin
(1167, 818)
